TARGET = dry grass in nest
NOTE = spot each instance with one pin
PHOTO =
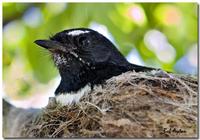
(131, 105)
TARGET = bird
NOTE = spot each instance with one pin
(84, 58)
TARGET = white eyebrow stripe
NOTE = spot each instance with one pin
(77, 32)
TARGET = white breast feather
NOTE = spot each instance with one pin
(73, 97)
(77, 32)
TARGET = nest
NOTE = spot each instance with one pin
(131, 105)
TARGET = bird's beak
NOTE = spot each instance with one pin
(49, 44)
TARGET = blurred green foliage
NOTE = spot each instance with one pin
(178, 21)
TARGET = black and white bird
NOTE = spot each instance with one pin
(84, 58)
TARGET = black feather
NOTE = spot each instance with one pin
(86, 57)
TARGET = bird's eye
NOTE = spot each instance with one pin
(83, 41)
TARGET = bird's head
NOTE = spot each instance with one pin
(81, 46)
